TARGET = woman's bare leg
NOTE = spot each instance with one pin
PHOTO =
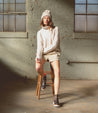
(39, 67)
(56, 68)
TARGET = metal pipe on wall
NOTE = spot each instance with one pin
(90, 62)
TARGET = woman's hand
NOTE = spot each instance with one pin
(38, 60)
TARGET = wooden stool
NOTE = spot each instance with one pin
(40, 79)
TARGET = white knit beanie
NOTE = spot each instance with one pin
(46, 13)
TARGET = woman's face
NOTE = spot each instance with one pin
(46, 20)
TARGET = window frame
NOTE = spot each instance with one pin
(86, 14)
(15, 34)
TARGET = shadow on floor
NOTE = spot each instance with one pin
(82, 93)
(11, 83)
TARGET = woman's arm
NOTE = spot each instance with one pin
(39, 46)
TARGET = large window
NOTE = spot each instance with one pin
(86, 16)
(12, 15)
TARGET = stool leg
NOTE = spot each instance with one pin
(38, 87)
(52, 79)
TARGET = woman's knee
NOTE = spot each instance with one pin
(57, 72)
(38, 67)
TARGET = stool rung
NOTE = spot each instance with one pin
(47, 72)
(49, 83)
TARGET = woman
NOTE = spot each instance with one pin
(48, 49)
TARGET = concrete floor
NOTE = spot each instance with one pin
(76, 96)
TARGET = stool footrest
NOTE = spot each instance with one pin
(47, 72)
(49, 83)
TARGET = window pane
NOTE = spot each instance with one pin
(20, 1)
(20, 7)
(20, 23)
(92, 1)
(1, 1)
(12, 22)
(9, 1)
(9, 7)
(1, 22)
(92, 23)
(93, 9)
(80, 1)
(9, 23)
(80, 9)
(80, 23)
(1, 8)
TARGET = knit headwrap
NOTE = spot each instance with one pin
(46, 13)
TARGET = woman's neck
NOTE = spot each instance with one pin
(46, 27)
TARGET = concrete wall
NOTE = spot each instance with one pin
(18, 54)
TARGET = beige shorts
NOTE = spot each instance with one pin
(52, 56)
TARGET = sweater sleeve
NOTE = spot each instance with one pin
(39, 45)
(55, 43)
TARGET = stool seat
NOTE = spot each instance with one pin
(38, 89)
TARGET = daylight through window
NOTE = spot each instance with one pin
(86, 16)
(12, 15)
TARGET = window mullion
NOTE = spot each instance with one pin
(86, 18)
(74, 15)
(3, 15)
(8, 16)
(15, 16)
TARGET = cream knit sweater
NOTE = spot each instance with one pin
(47, 41)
